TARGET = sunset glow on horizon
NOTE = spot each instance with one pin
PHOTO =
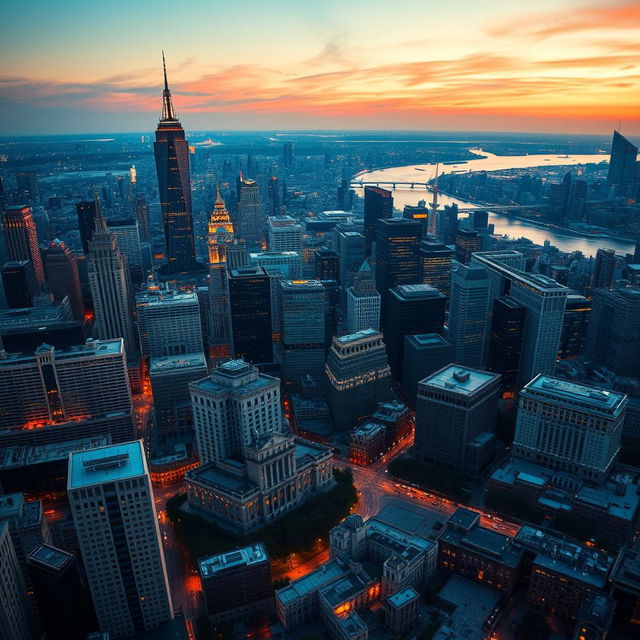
(73, 67)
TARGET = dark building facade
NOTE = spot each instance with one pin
(623, 169)
(174, 182)
(397, 245)
(250, 313)
(574, 326)
(378, 204)
(507, 332)
(603, 269)
(86, 212)
(19, 283)
(21, 239)
(435, 261)
(468, 241)
(326, 265)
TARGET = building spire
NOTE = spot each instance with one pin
(100, 221)
(219, 199)
(167, 105)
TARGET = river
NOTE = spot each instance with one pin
(503, 225)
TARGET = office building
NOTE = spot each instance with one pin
(288, 263)
(625, 583)
(21, 239)
(143, 216)
(468, 241)
(237, 585)
(326, 264)
(566, 426)
(19, 283)
(64, 603)
(16, 617)
(574, 326)
(116, 523)
(351, 250)
(253, 470)
(170, 377)
(378, 205)
(507, 334)
(63, 278)
(61, 394)
(456, 415)
(363, 301)
(397, 420)
(447, 224)
(401, 611)
(168, 322)
(420, 213)
(477, 553)
(86, 212)
(302, 323)
(397, 244)
(358, 377)
(109, 282)
(287, 154)
(423, 354)
(604, 269)
(409, 310)
(594, 618)
(284, 233)
(250, 218)
(545, 300)
(435, 263)
(623, 167)
(563, 573)
(250, 314)
(469, 315)
(614, 326)
(128, 239)
(171, 151)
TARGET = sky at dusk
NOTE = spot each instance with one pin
(74, 66)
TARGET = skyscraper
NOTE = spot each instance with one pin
(219, 237)
(144, 219)
(128, 238)
(63, 278)
(468, 241)
(614, 327)
(410, 309)
(62, 394)
(168, 322)
(250, 314)
(435, 261)
(86, 212)
(603, 269)
(469, 315)
(397, 244)
(566, 426)
(27, 185)
(21, 239)
(378, 205)
(358, 377)
(15, 613)
(302, 323)
(109, 282)
(575, 326)
(351, 249)
(507, 335)
(174, 182)
(363, 301)
(455, 418)
(249, 223)
(284, 233)
(623, 169)
(326, 264)
(19, 282)
(116, 523)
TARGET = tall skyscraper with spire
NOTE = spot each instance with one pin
(172, 166)
(109, 282)
(220, 235)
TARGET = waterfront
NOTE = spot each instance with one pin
(503, 224)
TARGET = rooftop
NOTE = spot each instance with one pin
(416, 291)
(342, 589)
(365, 334)
(91, 348)
(486, 542)
(409, 519)
(50, 557)
(247, 556)
(184, 361)
(311, 582)
(555, 389)
(166, 297)
(212, 476)
(403, 596)
(458, 379)
(106, 464)
(428, 340)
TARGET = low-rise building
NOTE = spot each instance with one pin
(625, 581)
(401, 610)
(237, 584)
(397, 420)
(367, 443)
(479, 554)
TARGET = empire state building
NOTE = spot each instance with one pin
(172, 165)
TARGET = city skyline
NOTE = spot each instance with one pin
(562, 67)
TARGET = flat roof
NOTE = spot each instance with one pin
(311, 582)
(458, 379)
(610, 402)
(90, 348)
(485, 541)
(213, 476)
(184, 361)
(358, 335)
(342, 589)
(48, 556)
(428, 340)
(408, 518)
(410, 291)
(403, 596)
(106, 464)
(246, 556)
